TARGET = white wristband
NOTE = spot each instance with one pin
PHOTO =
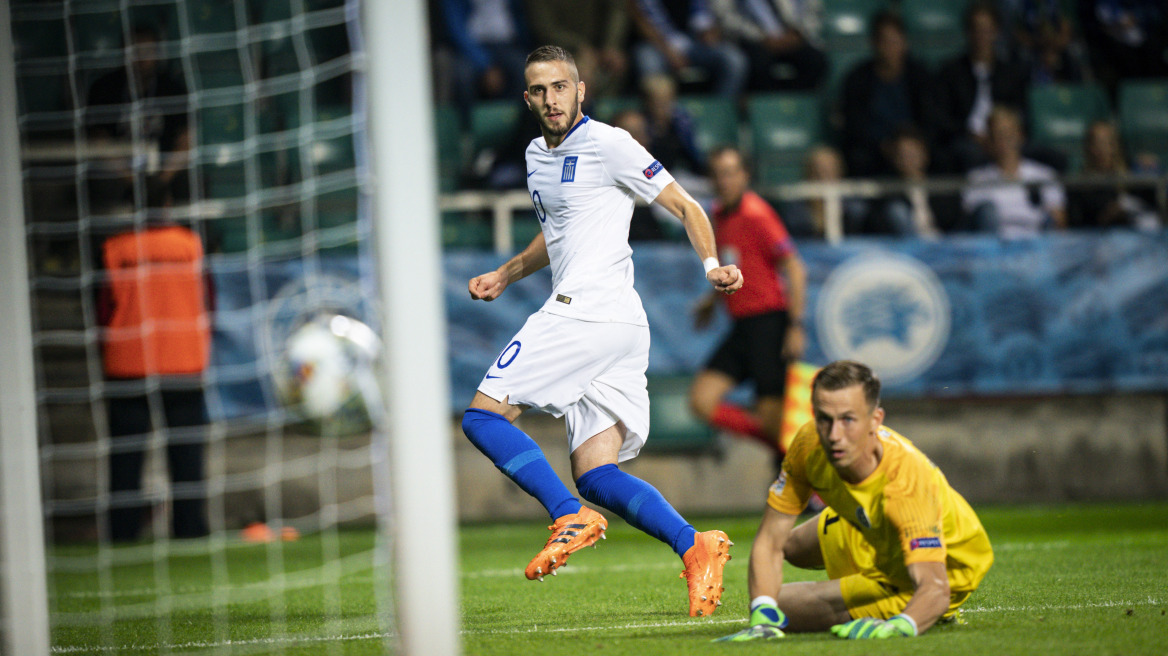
(710, 263)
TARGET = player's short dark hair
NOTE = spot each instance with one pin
(842, 374)
(549, 54)
(885, 18)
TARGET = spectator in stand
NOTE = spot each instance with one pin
(649, 223)
(490, 38)
(782, 39)
(914, 211)
(768, 327)
(1125, 38)
(808, 218)
(155, 309)
(1108, 202)
(596, 35)
(162, 120)
(672, 132)
(1013, 196)
(970, 85)
(1044, 40)
(883, 94)
(681, 38)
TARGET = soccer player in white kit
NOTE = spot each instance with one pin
(583, 355)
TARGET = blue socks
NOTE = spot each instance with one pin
(639, 503)
(519, 457)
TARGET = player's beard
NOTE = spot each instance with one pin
(571, 113)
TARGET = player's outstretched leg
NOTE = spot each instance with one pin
(570, 534)
(641, 505)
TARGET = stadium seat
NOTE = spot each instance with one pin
(98, 35)
(217, 69)
(1060, 114)
(492, 122)
(466, 230)
(715, 120)
(604, 109)
(1143, 116)
(782, 128)
(671, 426)
(524, 227)
(211, 16)
(39, 38)
(448, 136)
(221, 125)
(846, 22)
(935, 29)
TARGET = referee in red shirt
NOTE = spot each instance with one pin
(767, 311)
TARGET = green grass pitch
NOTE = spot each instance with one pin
(1075, 579)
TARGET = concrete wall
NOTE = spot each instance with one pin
(1005, 450)
(1017, 451)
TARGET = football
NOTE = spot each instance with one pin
(326, 372)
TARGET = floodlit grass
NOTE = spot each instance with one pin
(1083, 579)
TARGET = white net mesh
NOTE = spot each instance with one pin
(247, 530)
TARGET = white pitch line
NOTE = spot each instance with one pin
(1150, 601)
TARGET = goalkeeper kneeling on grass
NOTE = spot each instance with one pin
(902, 549)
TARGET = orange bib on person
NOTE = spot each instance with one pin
(159, 323)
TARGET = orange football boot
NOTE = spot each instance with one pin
(703, 571)
(570, 533)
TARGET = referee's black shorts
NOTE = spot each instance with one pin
(754, 351)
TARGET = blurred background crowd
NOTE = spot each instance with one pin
(1042, 114)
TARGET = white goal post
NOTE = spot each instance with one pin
(24, 601)
(415, 381)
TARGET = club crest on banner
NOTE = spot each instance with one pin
(886, 310)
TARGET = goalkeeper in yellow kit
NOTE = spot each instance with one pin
(902, 549)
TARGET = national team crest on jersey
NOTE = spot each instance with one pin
(652, 170)
(569, 173)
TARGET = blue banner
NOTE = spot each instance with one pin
(964, 316)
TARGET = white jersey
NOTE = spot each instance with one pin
(583, 193)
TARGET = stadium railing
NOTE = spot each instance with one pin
(502, 205)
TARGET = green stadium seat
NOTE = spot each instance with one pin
(715, 120)
(448, 138)
(492, 122)
(1060, 114)
(221, 125)
(98, 34)
(846, 23)
(43, 93)
(34, 39)
(218, 69)
(605, 109)
(1143, 116)
(466, 231)
(524, 227)
(935, 29)
(211, 16)
(671, 425)
(783, 127)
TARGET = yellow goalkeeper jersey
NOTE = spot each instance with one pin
(905, 509)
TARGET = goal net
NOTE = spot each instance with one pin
(196, 170)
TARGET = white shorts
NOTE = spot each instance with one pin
(591, 373)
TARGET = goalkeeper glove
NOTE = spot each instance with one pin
(870, 627)
(766, 622)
